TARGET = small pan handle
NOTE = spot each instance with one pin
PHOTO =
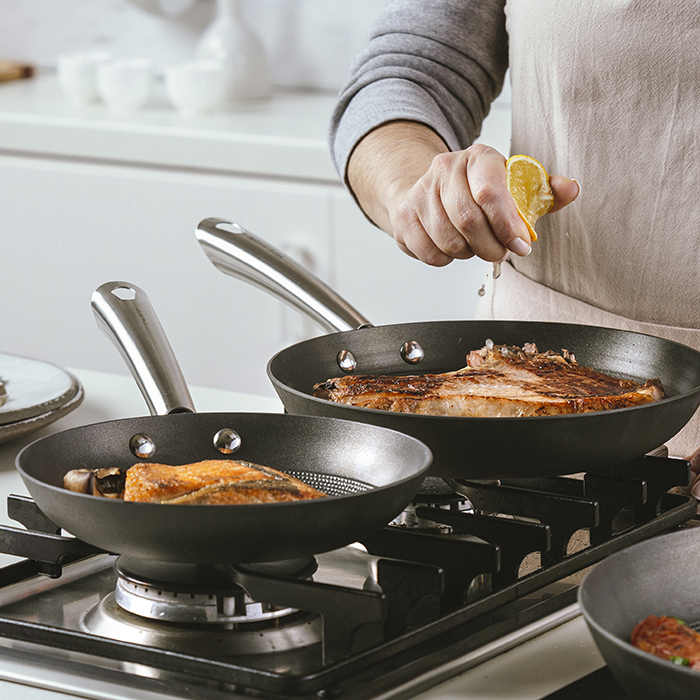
(239, 253)
(125, 315)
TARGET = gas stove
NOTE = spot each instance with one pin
(469, 570)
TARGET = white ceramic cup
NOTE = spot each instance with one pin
(196, 87)
(77, 75)
(126, 85)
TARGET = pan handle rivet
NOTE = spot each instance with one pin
(412, 352)
(227, 441)
(142, 446)
(347, 361)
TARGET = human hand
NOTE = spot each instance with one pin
(460, 208)
(694, 486)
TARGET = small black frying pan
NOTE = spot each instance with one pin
(370, 473)
(466, 448)
(655, 577)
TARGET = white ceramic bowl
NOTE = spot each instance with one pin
(196, 87)
(125, 85)
(77, 75)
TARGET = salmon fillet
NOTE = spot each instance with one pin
(214, 481)
(498, 381)
(668, 638)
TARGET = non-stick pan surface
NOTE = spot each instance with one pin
(369, 472)
(372, 472)
(466, 448)
(505, 447)
(655, 577)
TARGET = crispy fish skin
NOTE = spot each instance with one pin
(213, 482)
(498, 381)
(668, 638)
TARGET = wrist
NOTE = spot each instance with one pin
(386, 164)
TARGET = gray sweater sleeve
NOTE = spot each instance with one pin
(438, 62)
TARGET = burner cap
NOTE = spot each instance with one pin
(197, 593)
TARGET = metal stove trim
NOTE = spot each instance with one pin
(430, 679)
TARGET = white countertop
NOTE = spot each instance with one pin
(283, 136)
(529, 671)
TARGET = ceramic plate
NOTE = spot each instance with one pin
(13, 431)
(33, 388)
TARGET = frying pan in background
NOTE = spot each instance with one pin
(371, 473)
(467, 448)
(655, 577)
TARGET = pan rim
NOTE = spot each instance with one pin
(426, 459)
(278, 384)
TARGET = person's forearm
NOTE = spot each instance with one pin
(387, 162)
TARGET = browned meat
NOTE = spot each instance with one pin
(214, 481)
(497, 381)
(668, 638)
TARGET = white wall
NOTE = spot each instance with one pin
(310, 42)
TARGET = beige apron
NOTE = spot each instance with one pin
(515, 297)
(607, 92)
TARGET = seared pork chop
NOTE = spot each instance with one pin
(498, 381)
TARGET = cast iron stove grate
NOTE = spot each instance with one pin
(415, 620)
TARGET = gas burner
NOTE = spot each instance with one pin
(196, 608)
(108, 619)
(198, 593)
(434, 493)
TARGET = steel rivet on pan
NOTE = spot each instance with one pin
(347, 361)
(142, 446)
(227, 441)
(412, 352)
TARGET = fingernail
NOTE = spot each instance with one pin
(519, 247)
(579, 189)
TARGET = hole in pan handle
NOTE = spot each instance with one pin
(239, 253)
(125, 315)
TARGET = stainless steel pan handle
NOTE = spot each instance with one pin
(125, 315)
(239, 253)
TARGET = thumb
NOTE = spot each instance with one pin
(565, 191)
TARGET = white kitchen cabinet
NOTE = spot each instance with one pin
(69, 227)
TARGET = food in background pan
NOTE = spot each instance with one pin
(498, 381)
(3, 393)
(210, 482)
(668, 638)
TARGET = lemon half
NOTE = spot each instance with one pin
(528, 184)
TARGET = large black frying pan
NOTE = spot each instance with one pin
(464, 448)
(655, 577)
(371, 473)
